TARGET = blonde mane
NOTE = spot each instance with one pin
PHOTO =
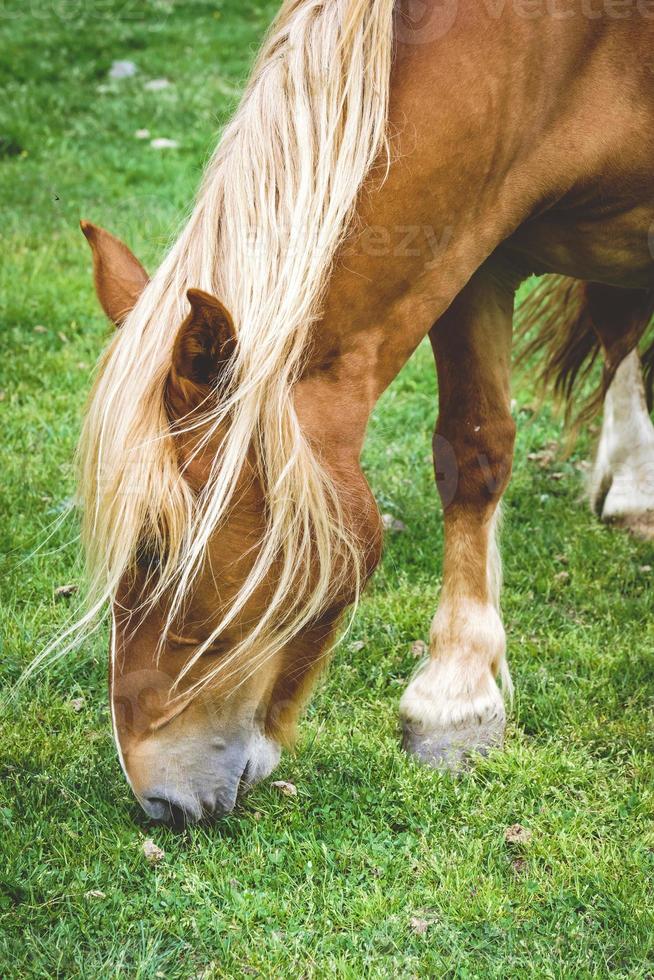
(275, 203)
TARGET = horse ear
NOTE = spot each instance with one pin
(118, 275)
(204, 345)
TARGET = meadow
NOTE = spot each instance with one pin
(378, 867)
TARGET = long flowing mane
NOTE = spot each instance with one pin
(275, 203)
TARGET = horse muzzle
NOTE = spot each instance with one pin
(199, 781)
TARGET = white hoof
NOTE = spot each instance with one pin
(629, 500)
(452, 750)
(449, 716)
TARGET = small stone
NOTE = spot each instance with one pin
(142, 134)
(164, 144)
(286, 789)
(156, 84)
(645, 569)
(153, 854)
(419, 649)
(517, 835)
(94, 893)
(39, 328)
(77, 704)
(65, 591)
(122, 69)
(391, 523)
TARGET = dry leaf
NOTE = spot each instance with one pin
(562, 577)
(94, 893)
(544, 457)
(77, 704)
(286, 789)
(65, 591)
(357, 645)
(517, 834)
(164, 144)
(153, 854)
(419, 926)
(39, 328)
(3, 395)
(645, 569)
(519, 867)
(419, 649)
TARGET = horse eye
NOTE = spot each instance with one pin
(216, 650)
(148, 558)
(186, 642)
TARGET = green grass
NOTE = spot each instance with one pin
(326, 884)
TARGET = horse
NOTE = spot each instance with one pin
(388, 176)
(570, 325)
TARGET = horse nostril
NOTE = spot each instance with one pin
(170, 812)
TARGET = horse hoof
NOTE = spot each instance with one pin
(453, 749)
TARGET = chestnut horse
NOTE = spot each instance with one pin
(383, 180)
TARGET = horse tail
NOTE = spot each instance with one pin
(566, 323)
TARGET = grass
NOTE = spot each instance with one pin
(329, 883)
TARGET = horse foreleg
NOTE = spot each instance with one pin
(453, 705)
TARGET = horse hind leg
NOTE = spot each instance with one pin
(453, 706)
(622, 480)
(573, 322)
